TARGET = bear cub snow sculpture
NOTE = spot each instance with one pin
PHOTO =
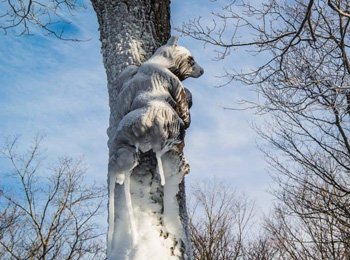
(153, 116)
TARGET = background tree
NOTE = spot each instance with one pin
(48, 212)
(262, 248)
(303, 85)
(220, 222)
(299, 232)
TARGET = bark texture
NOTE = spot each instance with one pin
(130, 32)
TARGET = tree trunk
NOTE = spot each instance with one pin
(130, 32)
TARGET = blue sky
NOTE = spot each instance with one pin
(59, 88)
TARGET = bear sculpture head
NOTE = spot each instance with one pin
(177, 59)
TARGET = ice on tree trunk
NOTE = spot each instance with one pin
(152, 116)
(132, 223)
(130, 213)
(111, 185)
(171, 210)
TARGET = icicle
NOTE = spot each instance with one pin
(160, 168)
(137, 147)
(130, 209)
(112, 178)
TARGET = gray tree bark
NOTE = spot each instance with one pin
(130, 32)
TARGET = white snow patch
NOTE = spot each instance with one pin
(171, 207)
(110, 211)
(132, 223)
(152, 240)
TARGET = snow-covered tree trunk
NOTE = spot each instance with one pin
(130, 32)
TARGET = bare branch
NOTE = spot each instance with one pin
(20, 17)
(55, 210)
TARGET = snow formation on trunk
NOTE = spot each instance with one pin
(152, 117)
